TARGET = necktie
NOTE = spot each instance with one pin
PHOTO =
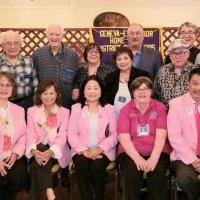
(197, 119)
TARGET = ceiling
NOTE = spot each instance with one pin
(91, 3)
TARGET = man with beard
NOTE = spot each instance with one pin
(145, 58)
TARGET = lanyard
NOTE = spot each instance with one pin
(138, 117)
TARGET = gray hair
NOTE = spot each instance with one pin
(188, 24)
(4, 35)
(135, 24)
(55, 24)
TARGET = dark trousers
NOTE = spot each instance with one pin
(133, 179)
(91, 175)
(41, 176)
(187, 179)
(15, 180)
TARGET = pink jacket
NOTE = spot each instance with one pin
(19, 143)
(78, 130)
(182, 130)
(36, 134)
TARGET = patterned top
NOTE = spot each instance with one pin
(168, 85)
(61, 68)
(102, 71)
(23, 73)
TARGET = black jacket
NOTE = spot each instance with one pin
(112, 82)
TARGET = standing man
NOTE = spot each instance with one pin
(57, 62)
(145, 58)
(21, 67)
(188, 32)
(183, 126)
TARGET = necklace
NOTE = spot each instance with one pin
(124, 77)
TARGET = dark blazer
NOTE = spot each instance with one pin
(112, 82)
(150, 61)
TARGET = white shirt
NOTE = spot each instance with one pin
(122, 97)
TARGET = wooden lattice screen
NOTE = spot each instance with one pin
(77, 38)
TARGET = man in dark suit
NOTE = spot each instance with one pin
(145, 58)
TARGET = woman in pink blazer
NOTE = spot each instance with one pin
(92, 136)
(46, 138)
(13, 165)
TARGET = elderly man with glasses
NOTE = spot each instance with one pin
(188, 32)
(21, 67)
(172, 79)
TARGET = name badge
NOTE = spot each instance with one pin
(143, 130)
(122, 99)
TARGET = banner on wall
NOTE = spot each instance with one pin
(109, 38)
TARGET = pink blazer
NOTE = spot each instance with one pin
(36, 134)
(182, 130)
(79, 128)
(18, 118)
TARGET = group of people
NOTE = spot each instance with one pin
(79, 114)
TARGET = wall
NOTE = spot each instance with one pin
(79, 13)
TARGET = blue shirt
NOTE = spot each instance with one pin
(137, 58)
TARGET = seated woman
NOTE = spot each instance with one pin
(117, 83)
(13, 165)
(92, 136)
(143, 148)
(46, 138)
(93, 66)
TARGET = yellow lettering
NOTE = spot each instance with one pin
(148, 33)
(110, 33)
(151, 46)
(114, 40)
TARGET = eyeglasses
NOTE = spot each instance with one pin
(10, 44)
(7, 86)
(93, 52)
(138, 33)
(190, 33)
(180, 54)
(142, 89)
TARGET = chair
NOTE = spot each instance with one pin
(56, 171)
(111, 168)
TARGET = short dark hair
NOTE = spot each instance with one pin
(122, 50)
(11, 79)
(92, 46)
(193, 72)
(45, 84)
(82, 99)
(136, 83)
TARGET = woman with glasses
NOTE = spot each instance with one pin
(13, 164)
(188, 32)
(93, 66)
(117, 83)
(142, 133)
(172, 79)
